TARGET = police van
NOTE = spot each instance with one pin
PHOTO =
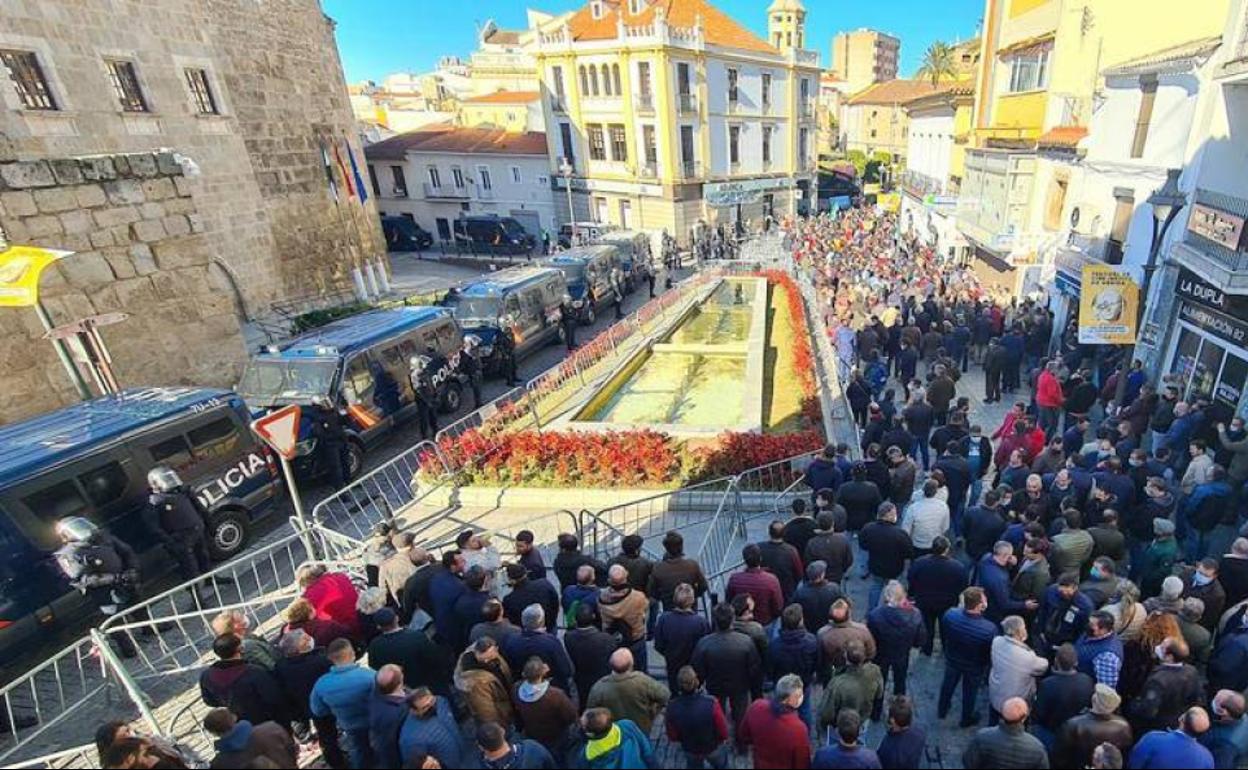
(494, 234)
(361, 365)
(635, 258)
(523, 301)
(91, 459)
(587, 270)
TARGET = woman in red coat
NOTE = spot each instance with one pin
(332, 595)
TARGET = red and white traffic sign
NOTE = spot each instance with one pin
(280, 430)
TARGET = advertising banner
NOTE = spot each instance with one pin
(1109, 304)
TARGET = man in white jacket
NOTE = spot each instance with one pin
(926, 518)
(1015, 667)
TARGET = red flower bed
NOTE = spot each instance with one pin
(737, 452)
(803, 358)
(568, 459)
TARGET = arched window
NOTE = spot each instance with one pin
(593, 80)
(615, 74)
(606, 80)
(584, 82)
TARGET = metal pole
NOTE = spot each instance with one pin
(298, 503)
(1159, 235)
(127, 682)
(62, 353)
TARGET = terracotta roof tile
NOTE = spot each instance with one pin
(897, 91)
(1062, 136)
(1175, 58)
(720, 29)
(504, 97)
(441, 138)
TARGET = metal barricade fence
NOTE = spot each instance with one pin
(677, 509)
(827, 370)
(384, 492)
(48, 694)
(83, 756)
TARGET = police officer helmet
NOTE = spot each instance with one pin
(163, 479)
(567, 297)
(471, 342)
(418, 363)
(75, 529)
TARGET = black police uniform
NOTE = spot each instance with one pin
(505, 348)
(175, 518)
(426, 402)
(331, 444)
(470, 368)
(106, 571)
(567, 317)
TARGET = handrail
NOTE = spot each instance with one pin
(127, 682)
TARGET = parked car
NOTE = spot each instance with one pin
(588, 272)
(91, 459)
(361, 364)
(586, 232)
(493, 234)
(635, 256)
(403, 234)
(523, 302)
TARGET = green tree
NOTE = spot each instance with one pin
(938, 63)
(859, 159)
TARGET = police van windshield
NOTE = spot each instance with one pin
(512, 227)
(481, 309)
(266, 382)
(574, 272)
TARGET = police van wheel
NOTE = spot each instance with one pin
(227, 534)
(453, 399)
(355, 460)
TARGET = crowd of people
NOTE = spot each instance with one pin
(1078, 575)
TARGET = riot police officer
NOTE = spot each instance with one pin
(103, 568)
(331, 442)
(470, 367)
(505, 349)
(568, 319)
(421, 375)
(617, 286)
(174, 516)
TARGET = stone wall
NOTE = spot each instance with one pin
(140, 249)
(256, 193)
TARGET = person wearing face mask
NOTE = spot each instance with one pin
(1201, 582)
(1158, 504)
(1168, 691)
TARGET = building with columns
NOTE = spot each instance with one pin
(661, 113)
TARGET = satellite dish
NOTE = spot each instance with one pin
(1074, 218)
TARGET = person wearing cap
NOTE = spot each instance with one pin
(527, 590)
(529, 555)
(1078, 737)
(1199, 639)
(1159, 558)
(424, 664)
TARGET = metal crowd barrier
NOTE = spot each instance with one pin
(49, 693)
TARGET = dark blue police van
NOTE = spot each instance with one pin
(522, 301)
(91, 459)
(361, 364)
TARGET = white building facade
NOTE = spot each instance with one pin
(434, 177)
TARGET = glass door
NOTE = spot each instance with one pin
(1206, 367)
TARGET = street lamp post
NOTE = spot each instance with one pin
(566, 169)
(1167, 202)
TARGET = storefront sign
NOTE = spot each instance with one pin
(1190, 286)
(1220, 325)
(1222, 228)
(1108, 307)
(725, 198)
(756, 185)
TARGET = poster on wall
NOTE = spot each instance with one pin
(1109, 305)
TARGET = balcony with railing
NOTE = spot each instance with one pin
(691, 169)
(445, 192)
(920, 185)
(644, 104)
(687, 104)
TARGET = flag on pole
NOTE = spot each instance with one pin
(355, 172)
(342, 168)
(329, 172)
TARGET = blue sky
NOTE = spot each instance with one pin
(377, 37)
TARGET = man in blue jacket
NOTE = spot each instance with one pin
(445, 588)
(344, 694)
(936, 582)
(611, 743)
(966, 636)
(1064, 612)
(387, 709)
(993, 575)
(533, 640)
(1175, 748)
(823, 473)
(430, 729)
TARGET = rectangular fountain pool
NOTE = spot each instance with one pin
(703, 377)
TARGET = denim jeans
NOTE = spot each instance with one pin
(359, 753)
(717, 759)
(873, 596)
(920, 447)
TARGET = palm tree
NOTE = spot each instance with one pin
(938, 62)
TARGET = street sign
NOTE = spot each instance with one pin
(280, 430)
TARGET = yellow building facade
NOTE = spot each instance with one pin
(662, 113)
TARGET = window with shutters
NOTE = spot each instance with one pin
(597, 142)
(652, 149)
(1123, 210)
(619, 144)
(1148, 96)
(28, 79)
(766, 145)
(734, 145)
(125, 82)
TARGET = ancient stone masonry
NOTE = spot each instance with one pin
(189, 219)
(140, 248)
